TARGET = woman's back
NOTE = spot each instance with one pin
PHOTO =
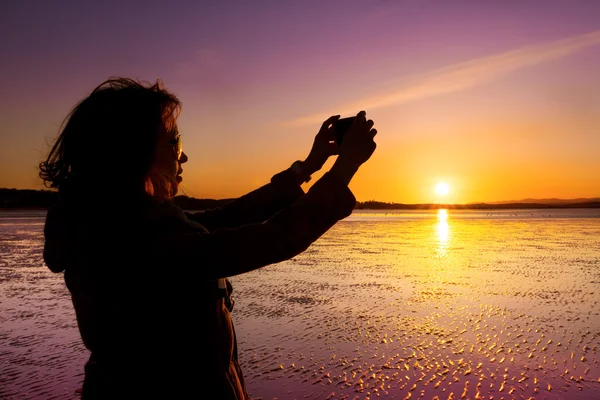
(149, 326)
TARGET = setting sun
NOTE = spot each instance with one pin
(442, 188)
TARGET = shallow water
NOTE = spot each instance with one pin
(386, 305)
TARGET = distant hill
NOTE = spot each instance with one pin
(550, 201)
(23, 198)
(526, 204)
(26, 198)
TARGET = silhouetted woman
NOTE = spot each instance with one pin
(147, 280)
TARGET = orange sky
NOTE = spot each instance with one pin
(500, 102)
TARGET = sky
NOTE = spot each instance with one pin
(499, 100)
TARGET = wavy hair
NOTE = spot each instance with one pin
(107, 141)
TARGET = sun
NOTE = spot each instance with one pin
(442, 188)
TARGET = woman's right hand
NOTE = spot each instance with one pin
(356, 149)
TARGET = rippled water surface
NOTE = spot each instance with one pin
(386, 305)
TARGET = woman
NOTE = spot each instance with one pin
(147, 280)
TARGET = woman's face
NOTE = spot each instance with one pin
(169, 156)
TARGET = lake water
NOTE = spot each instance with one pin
(386, 305)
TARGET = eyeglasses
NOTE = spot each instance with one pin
(177, 145)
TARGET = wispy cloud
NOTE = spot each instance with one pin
(467, 74)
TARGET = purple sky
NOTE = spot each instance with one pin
(256, 78)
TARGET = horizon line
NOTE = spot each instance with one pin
(527, 200)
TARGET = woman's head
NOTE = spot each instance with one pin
(120, 140)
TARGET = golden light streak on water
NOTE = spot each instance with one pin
(443, 232)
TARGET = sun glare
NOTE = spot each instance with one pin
(442, 188)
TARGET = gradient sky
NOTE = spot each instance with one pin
(500, 99)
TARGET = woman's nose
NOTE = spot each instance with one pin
(183, 158)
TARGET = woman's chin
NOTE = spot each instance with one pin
(178, 178)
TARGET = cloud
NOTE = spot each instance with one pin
(467, 74)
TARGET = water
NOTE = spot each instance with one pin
(386, 305)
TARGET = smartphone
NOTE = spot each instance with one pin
(341, 126)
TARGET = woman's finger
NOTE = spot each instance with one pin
(329, 121)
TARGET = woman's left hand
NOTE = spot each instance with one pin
(323, 147)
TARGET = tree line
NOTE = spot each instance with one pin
(43, 199)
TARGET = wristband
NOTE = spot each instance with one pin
(299, 170)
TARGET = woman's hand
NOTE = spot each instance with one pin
(323, 147)
(356, 149)
(358, 144)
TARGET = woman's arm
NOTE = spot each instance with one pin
(229, 252)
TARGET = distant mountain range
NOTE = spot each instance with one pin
(517, 204)
(26, 198)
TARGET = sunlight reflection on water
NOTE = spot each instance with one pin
(443, 231)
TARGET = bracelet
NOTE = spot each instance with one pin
(299, 170)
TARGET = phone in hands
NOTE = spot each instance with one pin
(341, 126)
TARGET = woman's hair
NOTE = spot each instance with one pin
(108, 140)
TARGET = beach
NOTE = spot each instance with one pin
(426, 304)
